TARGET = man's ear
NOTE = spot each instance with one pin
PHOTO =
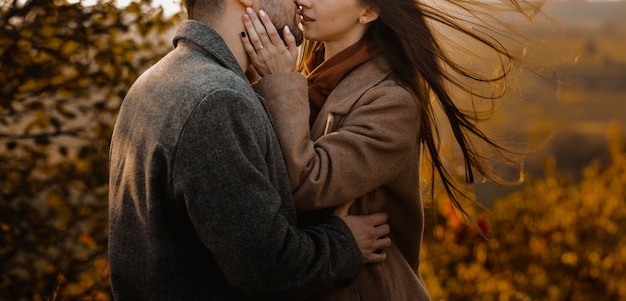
(246, 3)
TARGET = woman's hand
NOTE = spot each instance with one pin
(267, 51)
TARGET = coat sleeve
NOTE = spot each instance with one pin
(221, 172)
(366, 151)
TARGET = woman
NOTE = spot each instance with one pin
(353, 129)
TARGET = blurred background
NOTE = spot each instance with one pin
(65, 67)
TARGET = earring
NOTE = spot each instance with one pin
(362, 20)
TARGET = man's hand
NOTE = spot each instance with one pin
(370, 232)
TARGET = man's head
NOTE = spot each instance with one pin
(282, 12)
(197, 8)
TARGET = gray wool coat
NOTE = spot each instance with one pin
(200, 204)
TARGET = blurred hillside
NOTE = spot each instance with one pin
(566, 115)
(587, 13)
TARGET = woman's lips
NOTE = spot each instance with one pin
(306, 19)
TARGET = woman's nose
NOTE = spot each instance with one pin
(301, 3)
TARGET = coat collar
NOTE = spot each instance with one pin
(351, 88)
(206, 39)
(203, 38)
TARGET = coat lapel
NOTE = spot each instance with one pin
(341, 100)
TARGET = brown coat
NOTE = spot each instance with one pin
(364, 146)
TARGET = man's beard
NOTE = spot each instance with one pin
(282, 16)
(295, 31)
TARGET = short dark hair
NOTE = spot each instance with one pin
(213, 7)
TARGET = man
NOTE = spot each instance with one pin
(200, 202)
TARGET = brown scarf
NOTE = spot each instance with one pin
(324, 76)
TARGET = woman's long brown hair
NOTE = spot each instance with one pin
(404, 34)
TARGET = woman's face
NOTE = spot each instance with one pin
(332, 20)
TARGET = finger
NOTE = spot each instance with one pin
(382, 230)
(259, 28)
(342, 210)
(290, 41)
(247, 45)
(270, 30)
(382, 243)
(251, 28)
(377, 218)
(374, 257)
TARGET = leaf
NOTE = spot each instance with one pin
(70, 47)
(54, 57)
(29, 86)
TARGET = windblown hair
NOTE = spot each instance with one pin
(405, 34)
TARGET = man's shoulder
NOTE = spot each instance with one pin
(184, 73)
(192, 62)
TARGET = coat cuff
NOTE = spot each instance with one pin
(355, 267)
(278, 84)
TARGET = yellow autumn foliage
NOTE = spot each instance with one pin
(553, 240)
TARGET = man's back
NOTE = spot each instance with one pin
(200, 203)
(143, 154)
